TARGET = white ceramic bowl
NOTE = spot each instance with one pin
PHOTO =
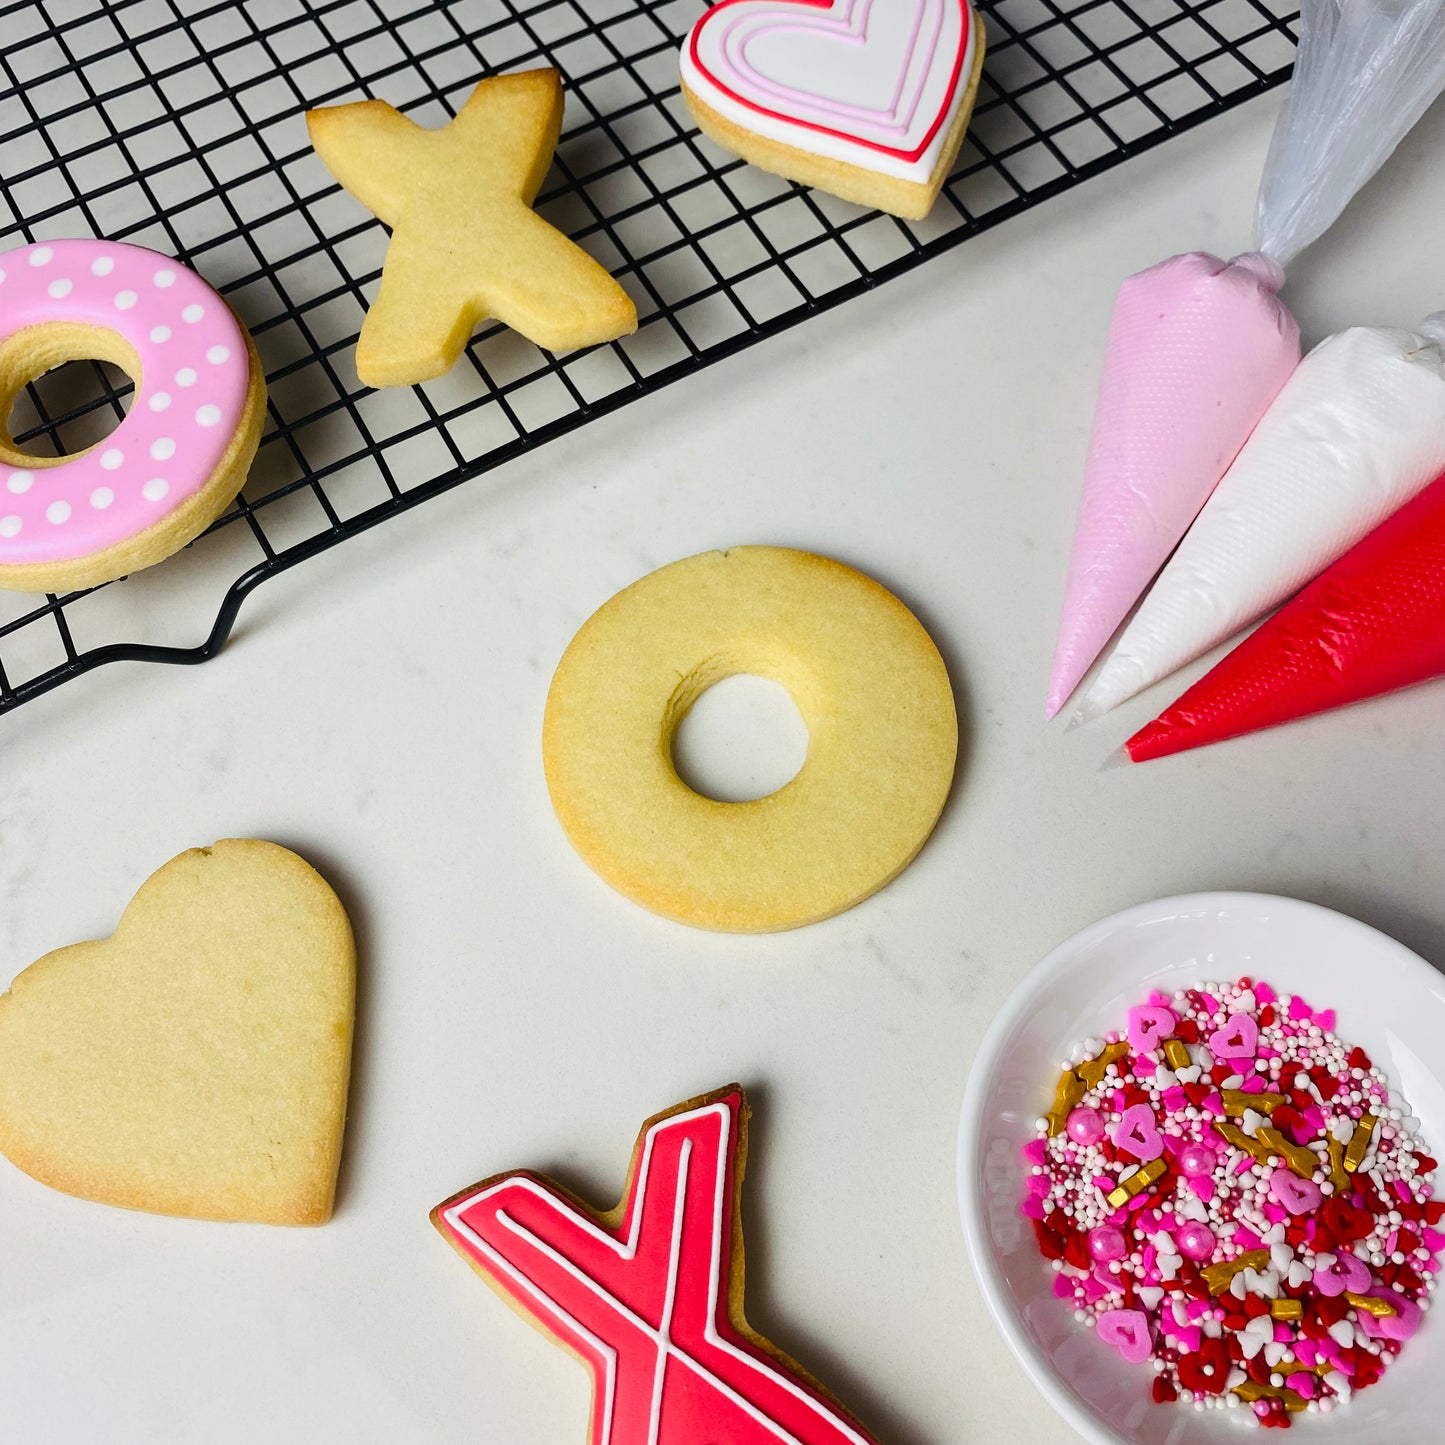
(1387, 999)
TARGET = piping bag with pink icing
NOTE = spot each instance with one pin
(1198, 348)
(1358, 430)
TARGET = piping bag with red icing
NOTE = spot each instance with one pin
(1198, 348)
(1373, 622)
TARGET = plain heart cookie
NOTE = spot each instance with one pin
(866, 99)
(196, 1062)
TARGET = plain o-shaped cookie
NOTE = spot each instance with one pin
(864, 675)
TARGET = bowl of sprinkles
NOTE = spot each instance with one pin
(1198, 1178)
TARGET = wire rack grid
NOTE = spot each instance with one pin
(178, 124)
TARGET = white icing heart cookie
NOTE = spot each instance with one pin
(866, 99)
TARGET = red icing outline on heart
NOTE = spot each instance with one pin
(965, 34)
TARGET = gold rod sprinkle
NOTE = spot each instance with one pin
(1380, 1308)
(1218, 1276)
(1299, 1159)
(1236, 1101)
(1251, 1390)
(1359, 1144)
(1336, 1153)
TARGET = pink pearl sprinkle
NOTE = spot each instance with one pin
(1107, 1242)
(1085, 1125)
(1197, 1161)
(1196, 1240)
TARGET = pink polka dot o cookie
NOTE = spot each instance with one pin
(181, 453)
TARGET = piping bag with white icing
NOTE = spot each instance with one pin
(1198, 348)
(1371, 623)
(1358, 430)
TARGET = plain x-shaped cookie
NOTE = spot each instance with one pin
(465, 242)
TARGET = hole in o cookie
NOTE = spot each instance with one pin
(70, 409)
(64, 388)
(742, 739)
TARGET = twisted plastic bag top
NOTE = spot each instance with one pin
(1365, 72)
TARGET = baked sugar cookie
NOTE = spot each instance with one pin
(864, 675)
(196, 1062)
(181, 454)
(649, 1296)
(465, 241)
(866, 99)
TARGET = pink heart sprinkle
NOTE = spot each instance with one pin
(1326, 1020)
(1148, 1026)
(1137, 1133)
(1128, 1332)
(1036, 1150)
(1299, 1196)
(1343, 1272)
(1237, 1038)
(1398, 1326)
(1202, 1189)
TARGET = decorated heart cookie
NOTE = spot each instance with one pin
(867, 99)
(650, 1295)
(195, 1062)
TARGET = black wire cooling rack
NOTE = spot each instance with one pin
(178, 124)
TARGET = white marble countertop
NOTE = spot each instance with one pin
(379, 710)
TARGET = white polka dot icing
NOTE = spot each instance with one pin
(86, 503)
